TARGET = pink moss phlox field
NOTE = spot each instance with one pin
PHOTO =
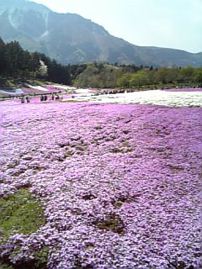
(120, 184)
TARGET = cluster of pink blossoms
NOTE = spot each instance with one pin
(120, 184)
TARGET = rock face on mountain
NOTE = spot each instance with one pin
(69, 38)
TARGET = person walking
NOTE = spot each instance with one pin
(22, 100)
(27, 99)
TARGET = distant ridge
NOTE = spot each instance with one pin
(69, 38)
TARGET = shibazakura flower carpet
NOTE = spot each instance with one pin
(116, 186)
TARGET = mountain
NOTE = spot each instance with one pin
(70, 38)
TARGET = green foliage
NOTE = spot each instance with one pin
(16, 62)
(5, 266)
(139, 79)
(185, 74)
(38, 262)
(197, 76)
(160, 77)
(165, 75)
(20, 213)
(112, 223)
(76, 70)
(41, 258)
(98, 75)
(124, 80)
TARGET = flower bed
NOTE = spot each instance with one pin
(120, 184)
(182, 97)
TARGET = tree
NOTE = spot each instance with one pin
(2, 56)
(197, 76)
(186, 74)
(124, 80)
(139, 79)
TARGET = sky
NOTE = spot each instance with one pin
(162, 23)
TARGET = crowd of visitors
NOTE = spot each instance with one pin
(42, 98)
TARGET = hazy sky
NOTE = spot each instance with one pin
(162, 23)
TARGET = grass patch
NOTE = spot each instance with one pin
(41, 258)
(5, 266)
(111, 223)
(20, 213)
(39, 262)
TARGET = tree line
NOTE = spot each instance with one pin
(18, 63)
(111, 76)
(160, 77)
